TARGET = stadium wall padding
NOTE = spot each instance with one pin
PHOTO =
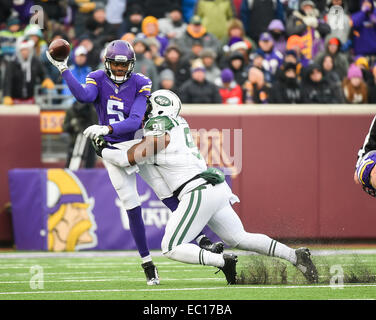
(20, 147)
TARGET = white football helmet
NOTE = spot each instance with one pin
(164, 103)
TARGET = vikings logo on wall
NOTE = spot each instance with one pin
(71, 223)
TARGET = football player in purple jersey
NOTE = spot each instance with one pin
(119, 97)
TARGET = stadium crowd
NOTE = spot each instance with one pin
(206, 51)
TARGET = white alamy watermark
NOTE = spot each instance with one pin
(337, 279)
(37, 277)
(37, 16)
(336, 18)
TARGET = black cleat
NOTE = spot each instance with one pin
(99, 144)
(305, 265)
(229, 269)
(151, 273)
(206, 244)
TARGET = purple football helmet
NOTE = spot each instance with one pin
(119, 51)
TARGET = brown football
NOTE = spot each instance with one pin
(59, 49)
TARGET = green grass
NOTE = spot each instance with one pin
(113, 277)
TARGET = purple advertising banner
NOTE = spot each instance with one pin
(63, 210)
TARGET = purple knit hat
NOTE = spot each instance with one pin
(276, 24)
(354, 72)
(227, 75)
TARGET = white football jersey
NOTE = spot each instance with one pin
(181, 160)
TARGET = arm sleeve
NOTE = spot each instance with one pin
(82, 93)
(133, 122)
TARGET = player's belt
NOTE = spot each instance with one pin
(176, 193)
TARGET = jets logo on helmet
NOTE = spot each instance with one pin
(164, 103)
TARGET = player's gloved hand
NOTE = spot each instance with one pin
(48, 84)
(61, 65)
(8, 101)
(95, 131)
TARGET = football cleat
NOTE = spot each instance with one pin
(151, 273)
(305, 265)
(99, 144)
(229, 269)
(206, 244)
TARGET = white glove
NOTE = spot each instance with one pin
(61, 65)
(95, 131)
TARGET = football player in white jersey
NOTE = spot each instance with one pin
(205, 198)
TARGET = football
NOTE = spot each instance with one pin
(59, 49)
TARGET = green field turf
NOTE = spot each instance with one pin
(108, 275)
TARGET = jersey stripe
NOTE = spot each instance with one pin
(90, 81)
(181, 222)
(192, 217)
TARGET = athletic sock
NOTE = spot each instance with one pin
(136, 224)
(191, 253)
(263, 244)
(146, 259)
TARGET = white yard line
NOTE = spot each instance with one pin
(183, 289)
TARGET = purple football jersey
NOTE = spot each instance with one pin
(115, 102)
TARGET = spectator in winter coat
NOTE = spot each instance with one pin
(198, 89)
(332, 47)
(364, 24)
(23, 74)
(272, 57)
(175, 62)
(197, 32)
(229, 90)
(145, 65)
(132, 19)
(316, 89)
(354, 88)
(238, 67)
(306, 22)
(255, 89)
(8, 39)
(150, 29)
(99, 30)
(329, 72)
(173, 26)
(287, 88)
(257, 14)
(296, 44)
(363, 64)
(167, 80)
(208, 58)
(215, 14)
(277, 29)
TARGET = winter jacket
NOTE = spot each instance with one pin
(215, 15)
(17, 84)
(286, 90)
(364, 39)
(199, 92)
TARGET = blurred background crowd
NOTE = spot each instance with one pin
(207, 51)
